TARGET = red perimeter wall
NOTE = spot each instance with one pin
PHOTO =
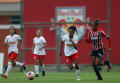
(43, 10)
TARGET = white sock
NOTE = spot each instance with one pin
(8, 68)
(37, 69)
(78, 73)
(74, 65)
(43, 67)
(19, 64)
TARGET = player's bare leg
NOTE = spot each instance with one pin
(70, 65)
(100, 63)
(93, 59)
(107, 62)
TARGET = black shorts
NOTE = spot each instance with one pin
(98, 53)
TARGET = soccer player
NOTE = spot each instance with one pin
(70, 50)
(38, 49)
(95, 36)
(12, 42)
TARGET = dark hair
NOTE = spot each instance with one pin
(14, 29)
(96, 22)
(73, 28)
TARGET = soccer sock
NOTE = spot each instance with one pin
(43, 67)
(8, 68)
(37, 69)
(19, 64)
(97, 72)
(78, 73)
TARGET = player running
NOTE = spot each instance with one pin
(70, 49)
(12, 42)
(38, 49)
(95, 36)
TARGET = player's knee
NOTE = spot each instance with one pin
(36, 63)
(71, 68)
(77, 67)
(9, 63)
(14, 64)
(96, 64)
(95, 67)
(93, 64)
(41, 64)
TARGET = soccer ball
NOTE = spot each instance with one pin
(30, 75)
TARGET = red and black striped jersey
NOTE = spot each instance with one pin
(95, 38)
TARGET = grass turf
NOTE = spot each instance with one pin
(63, 77)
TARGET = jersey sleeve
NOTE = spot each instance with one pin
(44, 40)
(19, 38)
(103, 33)
(63, 38)
(107, 37)
(76, 39)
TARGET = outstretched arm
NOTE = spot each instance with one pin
(109, 42)
(87, 39)
(107, 36)
(5, 44)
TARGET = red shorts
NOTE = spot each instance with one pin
(12, 55)
(38, 57)
(70, 59)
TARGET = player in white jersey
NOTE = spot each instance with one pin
(70, 50)
(12, 41)
(38, 49)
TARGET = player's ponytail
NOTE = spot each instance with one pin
(15, 31)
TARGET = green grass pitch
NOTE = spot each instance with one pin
(63, 77)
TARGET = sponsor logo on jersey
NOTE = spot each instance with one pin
(37, 44)
(12, 42)
(94, 38)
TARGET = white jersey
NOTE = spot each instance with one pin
(39, 43)
(69, 50)
(12, 42)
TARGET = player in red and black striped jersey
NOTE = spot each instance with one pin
(95, 37)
